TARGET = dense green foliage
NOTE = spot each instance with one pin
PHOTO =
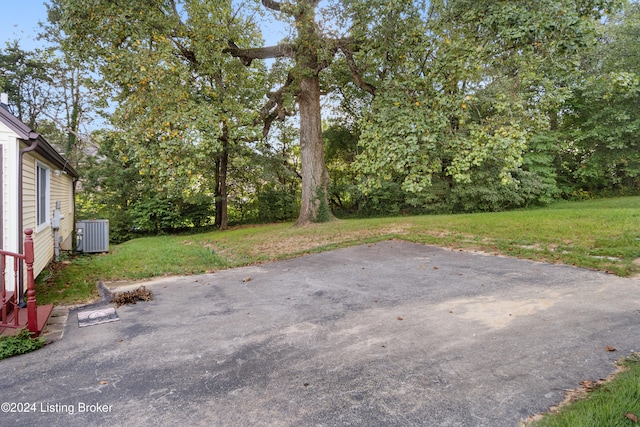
(21, 343)
(600, 130)
(26, 78)
(116, 188)
(566, 105)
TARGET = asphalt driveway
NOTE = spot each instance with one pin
(387, 334)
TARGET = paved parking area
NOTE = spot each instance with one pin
(386, 334)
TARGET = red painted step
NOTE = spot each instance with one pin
(44, 311)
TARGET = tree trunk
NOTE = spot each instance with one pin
(314, 205)
(73, 125)
(222, 165)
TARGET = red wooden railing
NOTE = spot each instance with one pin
(10, 311)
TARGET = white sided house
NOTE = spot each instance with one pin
(37, 186)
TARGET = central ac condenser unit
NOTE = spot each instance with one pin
(92, 236)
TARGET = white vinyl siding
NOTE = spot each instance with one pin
(9, 190)
(61, 186)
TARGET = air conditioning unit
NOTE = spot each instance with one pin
(92, 236)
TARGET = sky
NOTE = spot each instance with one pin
(19, 20)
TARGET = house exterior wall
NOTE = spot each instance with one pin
(60, 189)
(15, 136)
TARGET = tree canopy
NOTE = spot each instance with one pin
(482, 105)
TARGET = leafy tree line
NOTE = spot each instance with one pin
(575, 106)
(367, 108)
(49, 92)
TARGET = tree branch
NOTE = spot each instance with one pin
(174, 8)
(274, 107)
(249, 54)
(272, 4)
(79, 136)
(186, 53)
(277, 5)
(355, 73)
(333, 46)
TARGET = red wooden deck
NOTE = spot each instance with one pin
(13, 318)
(44, 311)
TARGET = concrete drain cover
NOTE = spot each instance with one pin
(95, 317)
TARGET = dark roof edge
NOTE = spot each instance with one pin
(48, 152)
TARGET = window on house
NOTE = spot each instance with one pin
(42, 202)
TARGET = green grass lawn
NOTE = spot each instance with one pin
(615, 403)
(599, 234)
(602, 234)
